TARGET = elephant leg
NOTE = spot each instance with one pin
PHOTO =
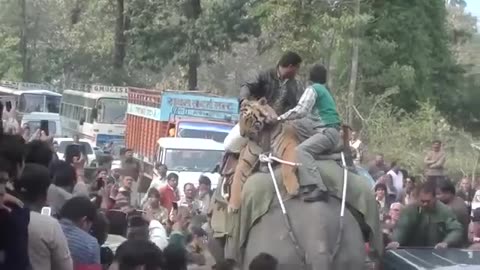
(351, 254)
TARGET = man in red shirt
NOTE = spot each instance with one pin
(169, 193)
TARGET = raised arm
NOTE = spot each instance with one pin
(304, 106)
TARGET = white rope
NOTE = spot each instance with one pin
(269, 159)
(345, 182)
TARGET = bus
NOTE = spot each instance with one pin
(29, 98)
(95, 112)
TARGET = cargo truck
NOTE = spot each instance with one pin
(179, 115)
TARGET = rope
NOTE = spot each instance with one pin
(269, 159)
(342, 208)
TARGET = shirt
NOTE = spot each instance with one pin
(47, 245)
(167, 197)
(83, 247)
(157, 234)
(317, 101)
(56, 198)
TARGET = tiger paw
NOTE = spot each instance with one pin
(292, 187)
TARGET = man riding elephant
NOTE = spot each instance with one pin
(277, 85)
(316, 111)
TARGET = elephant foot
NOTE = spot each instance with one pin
(316, 195)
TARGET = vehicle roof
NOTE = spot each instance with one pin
(430, 258)
(191, 143)
(59, 140)
(96, 95)
(37, 91)
(41, 115)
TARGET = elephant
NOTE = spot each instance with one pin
(315, 225)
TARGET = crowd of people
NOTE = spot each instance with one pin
(52, 217)
(428, 210)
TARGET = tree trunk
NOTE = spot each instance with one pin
(24, 42)
(120, 39)
(192, 72)
(354, 71)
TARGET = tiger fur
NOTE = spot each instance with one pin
(279, 139)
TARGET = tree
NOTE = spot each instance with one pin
(186, 32)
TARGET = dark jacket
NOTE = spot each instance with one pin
(281, 95)
(417, 228)
(14, 238)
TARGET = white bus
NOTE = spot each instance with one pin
(95, 112)
(29, 97)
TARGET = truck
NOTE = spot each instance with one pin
(181, 116)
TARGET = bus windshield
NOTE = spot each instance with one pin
(112, 110)
(39, 103)
(192, 160)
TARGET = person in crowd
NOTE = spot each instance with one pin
(27, 133)
(138, 254)
(466, 192)
(384, 199)
(406, 195)
(39, 152)
(197, 252)
(434, 162)
(263, 261)
(390, 221)
(75, 157)
(47, 245)
(14, 218)
(100, 187)
(427, 223)
(159, 179)
(394, 180)
(358, 147)
(77, 216)
(474, 231)
(156, 231)
(446, 194)
(190, 199)
(121, 197)
(99, 230)
(278, 85)
(64, 180)
(153, 205)
(175, 257)
(169, 193)
(204, 193)
(130, 165)
(378, 167)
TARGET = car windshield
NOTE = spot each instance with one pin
(34, 125)
(192, 160)
(112, 110)
(63, 145)
(39, 103)
(217, 136)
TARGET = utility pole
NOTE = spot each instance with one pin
(354, 69)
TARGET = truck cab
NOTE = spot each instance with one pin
(190, 158)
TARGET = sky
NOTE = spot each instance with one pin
(473, 6)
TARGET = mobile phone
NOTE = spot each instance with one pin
(8, 105)
(44, 126)
(47, 211)
(175, 205)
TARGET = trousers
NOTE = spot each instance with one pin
(316, 141)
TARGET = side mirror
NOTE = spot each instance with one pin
(216, 169)
(82, 121)
(94, 114)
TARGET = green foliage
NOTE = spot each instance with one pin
(407, 138)
(163, 32)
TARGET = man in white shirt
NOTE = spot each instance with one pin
(159, 179)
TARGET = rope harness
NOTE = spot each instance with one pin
(298, 249)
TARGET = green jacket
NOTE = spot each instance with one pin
(417, 228)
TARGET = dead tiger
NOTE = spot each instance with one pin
(279, 138)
